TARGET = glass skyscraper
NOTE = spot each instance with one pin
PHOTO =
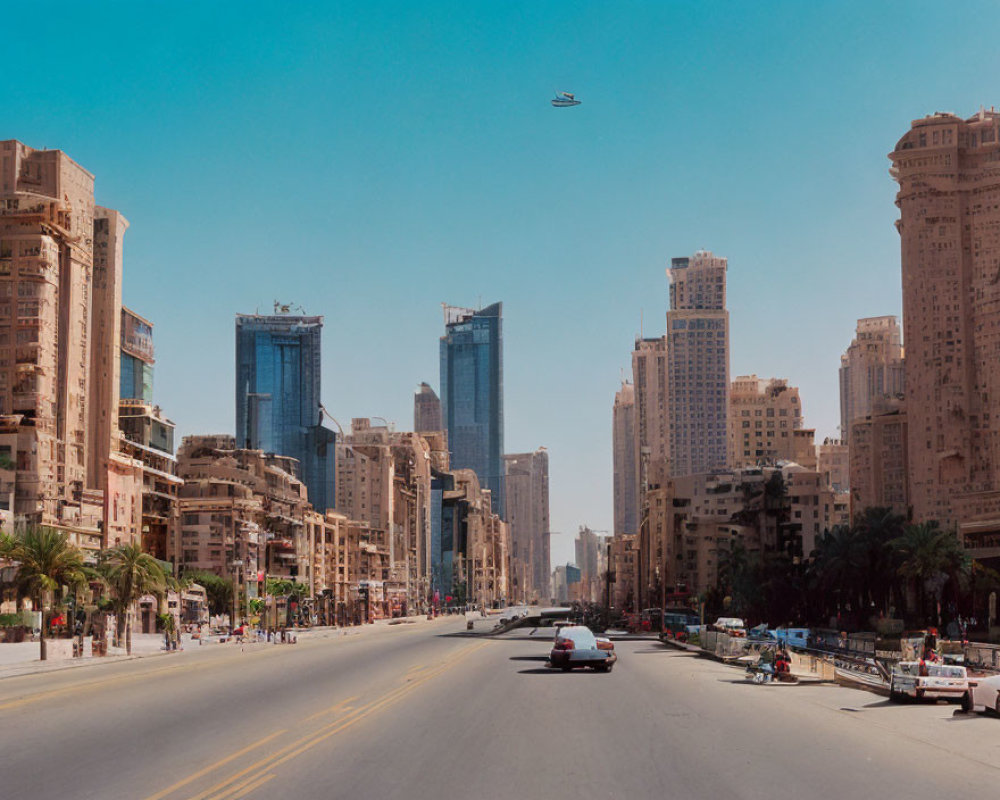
(472, 394)
(278, 397)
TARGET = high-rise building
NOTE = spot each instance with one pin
(870, 370)
(59, 307)
(626, 495)
(472, 394)
(763, 416)
(426, 410)
(697, 364)
(652, 441)
(278, 402)
(949, 228)
(527, 488)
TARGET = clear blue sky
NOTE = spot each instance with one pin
(371, 160)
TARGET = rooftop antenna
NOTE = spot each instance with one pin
(640, 323)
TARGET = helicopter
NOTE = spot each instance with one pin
(564, 100)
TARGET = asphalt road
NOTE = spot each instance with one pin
(426, 711)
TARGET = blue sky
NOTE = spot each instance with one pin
(371, 160)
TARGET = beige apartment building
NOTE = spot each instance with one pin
(239, 505)
(871, 369)
(623, 441)
(384, 480)
(878, 446)
(763, 417)
(652, 440)
(60, 299)
(697, 364)
(624, 569)
(833, 460)
(527, 498)
(695, 520)
(949, 228)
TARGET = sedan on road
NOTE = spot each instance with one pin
(576, 646)
(986, 693)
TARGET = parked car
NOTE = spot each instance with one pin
(918, 679)
(576, 646)
(985, 693)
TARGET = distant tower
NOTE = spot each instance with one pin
(527, 501)
(697, 364)
(278, 397)
(426, 410)
(626, 495)
(870, 370)
(472, 394)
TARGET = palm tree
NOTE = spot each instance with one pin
(928, 556)
(878, 528)
(130, 573)
(46, 561)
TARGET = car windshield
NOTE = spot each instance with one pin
(580, 636)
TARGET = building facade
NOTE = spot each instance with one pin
(623, 443)
(472, 394)
(949, 228)
(278, 401)
(697, 364)
(527, 486)
(426, 410)
(872, 369)
(878, 473)
(763, 418)
(60, 294)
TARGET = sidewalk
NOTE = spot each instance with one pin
(21, 658)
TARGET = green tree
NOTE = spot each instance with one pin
(46, 561)
(218, 590)
(130, 573)
(929, 557)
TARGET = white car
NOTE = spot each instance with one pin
(919, 680)
(986, 693)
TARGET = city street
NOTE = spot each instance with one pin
(428, 711)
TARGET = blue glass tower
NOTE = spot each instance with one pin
(278, 397)
(472, 394)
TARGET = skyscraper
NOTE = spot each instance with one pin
(278, 405)
(870, 370)
(426, 410)
(697, 364)
(472, 394)
(949, 228)
(60, 294)
(527, 498)
(626, 496)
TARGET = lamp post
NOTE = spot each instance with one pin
(236, 591)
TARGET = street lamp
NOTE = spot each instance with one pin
(236, 573)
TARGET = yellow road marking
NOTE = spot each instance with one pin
(343, 705)
(309, 741)
(252, 786)
(216, 765)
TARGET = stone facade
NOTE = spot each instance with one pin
(871, 370)
(949, 227)
(878, 474)
(626, 495)
(697, 364)
(763, 417)
(527, 479)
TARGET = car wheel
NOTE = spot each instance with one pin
(967, 702)
(895, 697)
(566, 668)
(996, 705)
(609, 667)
